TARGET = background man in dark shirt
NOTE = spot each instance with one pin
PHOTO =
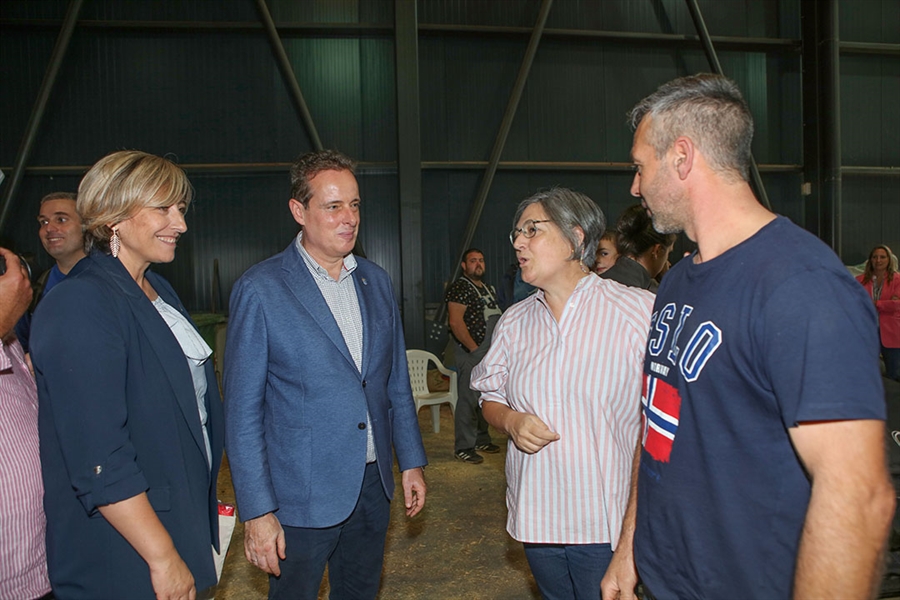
(473, 310)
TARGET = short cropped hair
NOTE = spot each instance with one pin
(470, 251)
(121, 184)
(311, 164)
(636, 233)
(569, 209)
(710, 110)
(59, 196)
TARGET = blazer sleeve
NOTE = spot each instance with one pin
(405, 424)
(246, 370)
(80, 351)
(887, 306)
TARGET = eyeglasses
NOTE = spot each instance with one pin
(527, 229)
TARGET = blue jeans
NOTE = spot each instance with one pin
(353, 550)
(568, 572)
(891, 362)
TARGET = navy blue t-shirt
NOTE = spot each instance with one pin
(23, 327)
(772, 332)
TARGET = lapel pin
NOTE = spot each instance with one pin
(364, 282)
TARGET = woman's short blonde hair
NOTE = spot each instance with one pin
(122, 183)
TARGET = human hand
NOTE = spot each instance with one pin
(171, 579)
(528, 432)
(413, 490)
(15, 292)
(264, 543)
(621, 576)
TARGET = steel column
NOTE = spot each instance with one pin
(409, 170)
(812, 109)
(40, 105)
(713, 59)
(287, 71)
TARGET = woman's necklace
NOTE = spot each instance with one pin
(877, 284)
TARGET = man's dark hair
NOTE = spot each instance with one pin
(470, 251)
(59, 196)
(636, 234)
(311, 164)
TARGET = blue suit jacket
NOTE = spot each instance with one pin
(118, 416)
(295, 403)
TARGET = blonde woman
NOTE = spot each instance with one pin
(130, 419)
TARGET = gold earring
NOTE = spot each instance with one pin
(115, 243)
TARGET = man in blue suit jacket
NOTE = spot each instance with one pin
(316, 394)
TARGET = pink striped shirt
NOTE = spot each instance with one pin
(23, 557)
(582, 377)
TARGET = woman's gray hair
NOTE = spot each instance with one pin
(707, 108)
(569, 209)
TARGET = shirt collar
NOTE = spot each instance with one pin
(317, 270)
(583, 283)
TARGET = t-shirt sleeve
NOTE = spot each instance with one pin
(819, 342)
(457, 293)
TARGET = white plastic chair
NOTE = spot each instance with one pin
(418, 376)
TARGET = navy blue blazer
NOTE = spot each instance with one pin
(118, 416)
(295, 403)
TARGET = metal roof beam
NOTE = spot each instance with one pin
(287, 71)
(40, 105)
(499, 142)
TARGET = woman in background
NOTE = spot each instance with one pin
(643, 252)
(130, 418)
(563, 379)
(881, 281)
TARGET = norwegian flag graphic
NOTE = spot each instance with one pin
(662, 407)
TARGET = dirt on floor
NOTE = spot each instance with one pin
(456, 548)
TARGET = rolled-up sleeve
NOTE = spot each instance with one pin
(78, 348)
(490, 376)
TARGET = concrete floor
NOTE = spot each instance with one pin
(457, 548)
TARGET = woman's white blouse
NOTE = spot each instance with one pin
(197, 352)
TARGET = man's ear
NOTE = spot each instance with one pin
(683, 156)
(297, 211)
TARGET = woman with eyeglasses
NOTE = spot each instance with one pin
(563, 380)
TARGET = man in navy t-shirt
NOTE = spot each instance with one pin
(761, 468)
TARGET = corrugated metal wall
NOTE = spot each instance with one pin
(207, 95)
(574, 106)
(870, 126)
